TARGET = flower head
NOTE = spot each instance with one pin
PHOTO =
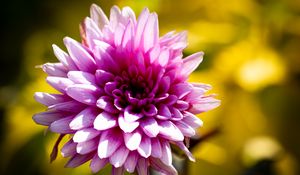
(124, 96)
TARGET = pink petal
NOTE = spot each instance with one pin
(131, 162)
(97, 164)
(62, 125)
(69, 106)
(163, 58)
(80, 77)
(156, 148)
(140, 27)
(115, 17)
(206, 104)
(84, 93)
(128, 14)
(150, 127)
(106, 103)
(185, 129)
(59, 83)
(92, 32)
(105, 121)
(46, 118)
(176, 114)
(163, 112)
(49, 99)
(118, 158)
(169, 131)
(85, 135)
(142, 167)
(186, 151)
(151, 33)
(102, 77)
(132, 140)
(103, 58)
(119, 32)
(80, 56)
(108, 144)
(166, 157)
(69, 149)
(55, 69)
(87, 147)
(64, 58)
(164, 85)
(127, 126)
(77, 160)
(144, 148)
(98, 16)
(84, 119)
(191, 62)
(181, 89)
(158, 165)
(127, 40)
(192, 120)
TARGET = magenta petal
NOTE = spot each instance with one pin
(191, 62)
(132, 140)
(118, 158)
(77, 160)
(108, 144)
(59, 83)
(46, 118)
(62, 125)
(102, 77)
(163, 112)
(127, 126)
(87, 146)
(166, 157)
(142, 167)
(144, 148)
(150, 110)
(84, 119)
(49, 99)
(156, 148)
(85, 135)
(84, 93)
(176, 114)
(97, 164)
(163, 58)
(169, 131)
(150, 127)
(69, 149)
(131, 162)
(130, 116)
(106, 103)
(80, 56)
(105, 121)
(80, 77)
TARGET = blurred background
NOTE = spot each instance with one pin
(252, 59)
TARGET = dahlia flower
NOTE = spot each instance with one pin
(124, 96)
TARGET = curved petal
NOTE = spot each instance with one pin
(168, 130)
(86, 147)
(132, 140)
(84, 119)
(144, 148)
(84, 93)
(108, 144)
(150, 127)
(118, 158)
(97, 164)
(127, 126)
(85, 135)
(105, 121)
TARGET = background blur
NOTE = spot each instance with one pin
(252, 59)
